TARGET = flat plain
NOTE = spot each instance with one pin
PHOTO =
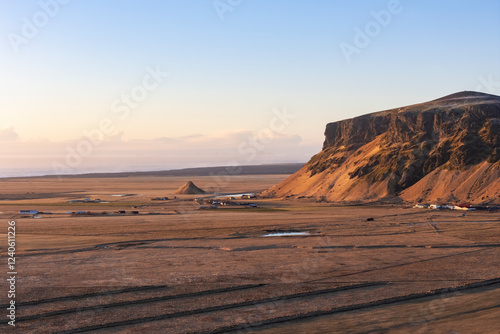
(281, 267)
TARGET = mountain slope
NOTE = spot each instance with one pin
(446, 149)
(189, 189)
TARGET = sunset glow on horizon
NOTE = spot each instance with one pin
(88, 86)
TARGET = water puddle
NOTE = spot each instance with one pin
(285, 234)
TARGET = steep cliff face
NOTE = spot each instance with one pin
(408, 152)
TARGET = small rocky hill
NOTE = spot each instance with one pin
(443, 150)
(189, 189)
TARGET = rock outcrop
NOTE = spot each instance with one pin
(189, 189)
(443, 150)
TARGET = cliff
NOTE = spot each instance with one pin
(443, 150)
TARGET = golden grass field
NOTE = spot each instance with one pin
(175, 269)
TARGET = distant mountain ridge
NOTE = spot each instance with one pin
(265, 169)
(447, 149)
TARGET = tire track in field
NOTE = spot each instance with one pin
(118, 244)
(355, 307)
(454, 315)
(89, 295)
(221, 308)
(489, 245)
(133, 302)
(393, 266)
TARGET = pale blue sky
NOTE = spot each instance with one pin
(226, 76)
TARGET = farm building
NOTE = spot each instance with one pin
(28, 212)
(249, 196)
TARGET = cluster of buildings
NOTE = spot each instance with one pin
(248, 196)
(28, 212)
(215, 203)
(160, 199)
(37, 214)
(120, 212)
(85, 200)
(463, 207)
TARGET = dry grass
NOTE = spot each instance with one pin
(399, 253)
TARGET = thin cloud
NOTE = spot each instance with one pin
(8, 135)
(116, 154)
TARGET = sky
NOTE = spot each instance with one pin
(89, 85)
